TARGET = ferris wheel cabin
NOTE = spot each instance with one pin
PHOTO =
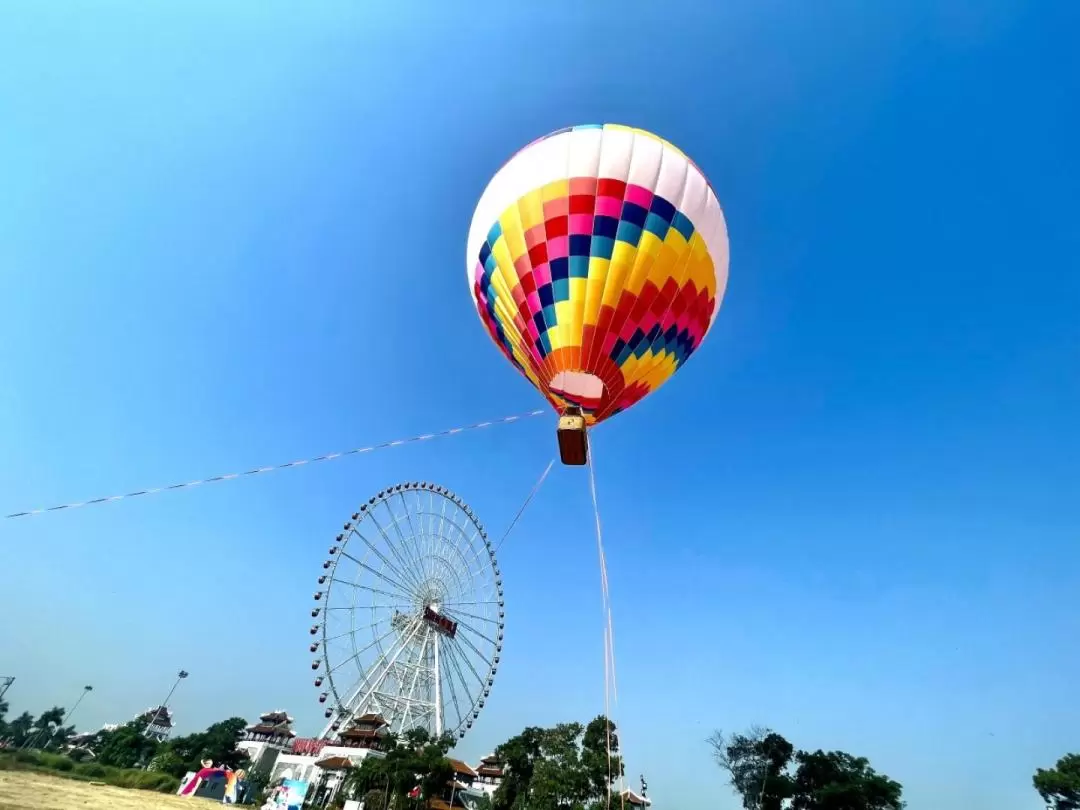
(573, 439)
(441, 623)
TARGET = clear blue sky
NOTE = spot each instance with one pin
(232, 233)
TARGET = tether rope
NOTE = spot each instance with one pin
(260, 470)
(528, 499)
(610, 686)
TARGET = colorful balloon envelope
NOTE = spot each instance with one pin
(597, 259)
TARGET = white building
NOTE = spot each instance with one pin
(489, 775)
(272, 746)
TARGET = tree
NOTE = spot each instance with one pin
(217, 744)
(167, 761)
(558, 780)
(519, 755)
(757, 763)
(600, 756)
(562, 768)
(45, 727)
(374, 800)
(414, 759)
(19, 729)
(372, 775)
(58, 740)
(126, 746)
(839, 781)
(1060, 786)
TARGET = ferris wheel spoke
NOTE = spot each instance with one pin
(455, 613)
(442, 523)
(418, 545)
(406, 606)
(416, 576)
(469, 663)
(476, 632)
(415, 564)
(456, 563)
(356, 654)
(403, 592)
(444, 569)
(412, 547)
(415, 581)
(387, 663)
(349, 633)
(361, 587)
(480, 602)
(404, 575)
(450, 682)
(415, 678)
(408, 547)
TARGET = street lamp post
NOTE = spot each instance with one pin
(5, 683)
(63, 718)
(179, 677)
(86, 690)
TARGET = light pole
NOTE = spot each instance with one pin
(5, 683)
(153, 716)
(86, 690)
(64, 717)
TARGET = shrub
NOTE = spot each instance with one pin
(165, 783)
(91, 769)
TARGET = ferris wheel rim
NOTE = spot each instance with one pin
(421, 582)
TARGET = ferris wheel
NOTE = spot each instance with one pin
(410, 614)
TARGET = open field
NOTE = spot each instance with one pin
(38, 791)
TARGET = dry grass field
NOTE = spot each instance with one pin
(37, 791)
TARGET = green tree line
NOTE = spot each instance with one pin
(565, 767)
(125, 746)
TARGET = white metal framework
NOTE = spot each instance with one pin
(410, 614)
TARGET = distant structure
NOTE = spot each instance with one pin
(632, 799)
(489, 775)
(461, 793)
(5, 683)
(274, 749)
(159, 722)
(264, 741)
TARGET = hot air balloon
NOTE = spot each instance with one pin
(597, 260)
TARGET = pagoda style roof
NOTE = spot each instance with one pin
(159, 716)
(362, 733)
(334, 763)
(273, 724)
(271, 730)
(370, 720)
(276, 718)
(462, 769)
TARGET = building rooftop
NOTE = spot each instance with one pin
(634, 799)
(158, 716)
(462, 769)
